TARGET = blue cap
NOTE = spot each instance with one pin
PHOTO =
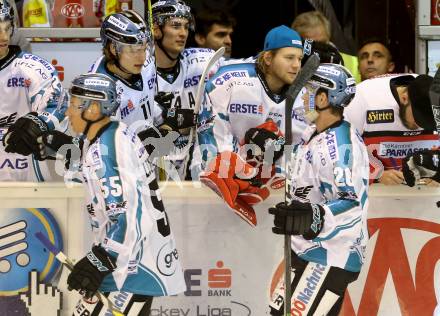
(282, 36)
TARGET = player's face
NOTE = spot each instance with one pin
(286, 64)
(374, 60)
(5, 36)
(219, 36)
(132, 58)
(74, 114)
(174, 35)
(317, 34)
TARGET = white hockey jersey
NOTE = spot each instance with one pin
(127, 214)
(374, 111)
(138, 109)
(238, 99)
(27, 83)
(332, 170)
(184, 86)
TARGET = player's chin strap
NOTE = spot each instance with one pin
(319, 110)
(89, 123)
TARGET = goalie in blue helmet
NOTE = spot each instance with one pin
(328, 223)
(125, 208)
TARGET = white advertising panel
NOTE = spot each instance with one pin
(70, 59)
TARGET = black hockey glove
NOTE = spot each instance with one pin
(88, 273)
(423, 164)
(21, 137)
(174, 117)
(51, 144)
(298, 218)
(164, 99)
(267, 137)
(179, 119)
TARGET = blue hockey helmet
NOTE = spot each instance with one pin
(337, 81)
(96, 87)
(126, 27)
(164, 10)
(7, 13)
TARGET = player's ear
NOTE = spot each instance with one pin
(113, 49)
(157, 32)
(200, 40)
(267, 57)
(321, 99)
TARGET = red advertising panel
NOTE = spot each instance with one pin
(435, 10)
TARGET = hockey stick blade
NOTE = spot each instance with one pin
(292, 93)
(434, 96)
(201, 87)
(61, 257)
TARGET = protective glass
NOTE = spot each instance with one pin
(133, 50)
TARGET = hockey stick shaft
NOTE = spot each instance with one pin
(61, 257)
(305, 74)
(201, 89)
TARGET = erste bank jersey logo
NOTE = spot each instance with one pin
(21, 252)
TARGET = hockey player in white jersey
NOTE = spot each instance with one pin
(327, 203)
(134, 253)
(127, 47)
(30, 91)
(245, 107)
(179, 71)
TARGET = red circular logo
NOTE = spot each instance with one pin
(72, 10)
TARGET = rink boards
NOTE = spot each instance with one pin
(231, 268)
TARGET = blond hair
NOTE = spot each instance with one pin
(261, 62)
(311, 19)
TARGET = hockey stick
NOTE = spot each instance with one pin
(201, 87)
(305, 74)
(150, 18)
(199, 94)
(61, 257)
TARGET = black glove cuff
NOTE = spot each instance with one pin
(317, 224)
(164, 99)
(101, 260)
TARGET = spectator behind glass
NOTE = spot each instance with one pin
(214, 29)
(314, 25)
(374, 59)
